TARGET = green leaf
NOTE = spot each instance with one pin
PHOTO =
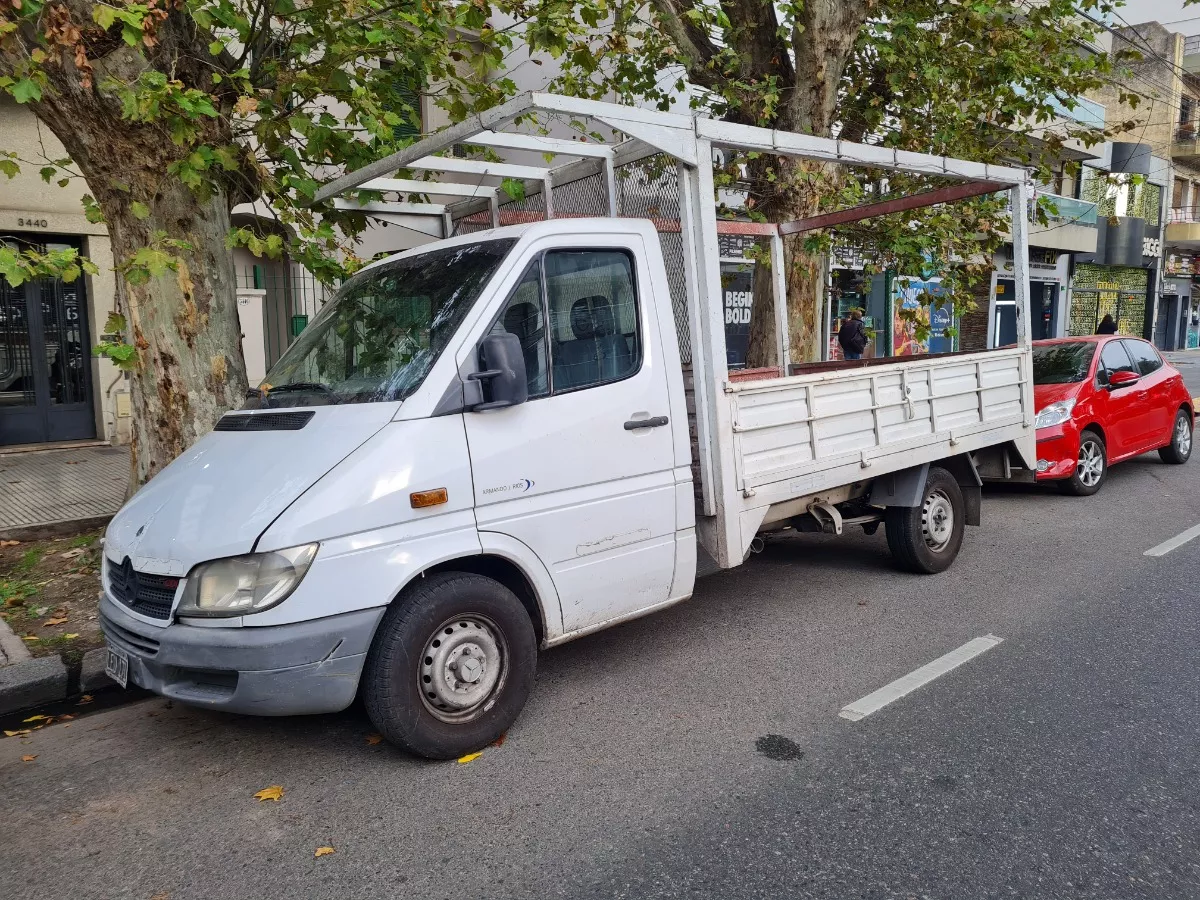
(26, 90)
(140, 210)
(515, 188)
(104, 16)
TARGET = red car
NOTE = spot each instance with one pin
(1101, 400)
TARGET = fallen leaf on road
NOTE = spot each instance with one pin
(274, 792)
(65, 718)
(323, 851)
(86, 698)
(463, 760)
(57, 620)
(9, 543)
(15, 733)
(161, 896)
(499, 742)
(71, 636)
(30, 637)
(373, 739)
(71, 554)
(29, 757)
(37, 718)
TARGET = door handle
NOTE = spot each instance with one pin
(654, 422)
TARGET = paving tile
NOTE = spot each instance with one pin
(52, 485)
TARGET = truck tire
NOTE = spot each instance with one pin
(451, 665)
(926, 538)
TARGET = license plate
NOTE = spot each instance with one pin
(117, 667)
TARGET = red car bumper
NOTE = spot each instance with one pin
(1057, 451)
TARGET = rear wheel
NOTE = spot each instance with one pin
(1091, 468)
(927, 538)
(451, 666)
(1180, 449)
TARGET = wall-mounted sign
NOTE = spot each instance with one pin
(1151, 247)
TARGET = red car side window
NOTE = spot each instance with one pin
(1113, 358)
(1144, 356)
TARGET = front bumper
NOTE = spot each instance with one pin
(273, 670)
(1059, 447)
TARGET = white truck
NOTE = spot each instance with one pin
(523, 433)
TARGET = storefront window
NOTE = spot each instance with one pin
(1097, 291)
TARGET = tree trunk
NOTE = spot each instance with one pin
(183, 321)
(795, 194)
(185, 326)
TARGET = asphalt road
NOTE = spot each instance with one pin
(699, 752)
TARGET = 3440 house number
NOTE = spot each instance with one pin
(23, 222)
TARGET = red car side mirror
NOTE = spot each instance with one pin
(1122, 379)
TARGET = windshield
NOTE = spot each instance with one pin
(382, 333)
(1062, 363)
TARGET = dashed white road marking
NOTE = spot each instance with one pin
(1174, 543)
(877, 700)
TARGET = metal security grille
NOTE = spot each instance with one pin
(649, 189)
(582, 197)
(1118, 291)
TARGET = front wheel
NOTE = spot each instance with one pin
(451, 665)
(926, 538)
(1090, 469)
(1180, 449)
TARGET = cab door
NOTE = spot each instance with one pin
(582, 472)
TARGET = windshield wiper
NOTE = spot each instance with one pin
(295, 387)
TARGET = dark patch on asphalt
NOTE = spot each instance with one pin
(777, 747)
(945, 782)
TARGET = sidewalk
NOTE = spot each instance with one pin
(44, 492)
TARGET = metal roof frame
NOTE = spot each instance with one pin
(690, 140)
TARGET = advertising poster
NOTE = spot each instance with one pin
(737, 287)
(906, 292)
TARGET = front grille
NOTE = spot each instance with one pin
(282, 421)
(129, 641)
(144, 593)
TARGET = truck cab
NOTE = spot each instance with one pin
(497, 421)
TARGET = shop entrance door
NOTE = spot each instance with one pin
(45, 370)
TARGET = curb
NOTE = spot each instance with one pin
(91, 671)
(46, 530)
(32, 682)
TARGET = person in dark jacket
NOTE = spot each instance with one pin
(1106, 326)
(852, 336)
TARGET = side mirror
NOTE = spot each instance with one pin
(502, 371)
(1122, 379)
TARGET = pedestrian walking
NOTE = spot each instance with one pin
(1107, 325)
(852, 336)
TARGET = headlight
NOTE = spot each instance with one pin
(241, 585)
(1054, 414)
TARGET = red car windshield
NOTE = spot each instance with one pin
(1062, 363)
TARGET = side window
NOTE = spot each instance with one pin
(1113, 358)
(1144, 356)
(524, 316)
(593, 317)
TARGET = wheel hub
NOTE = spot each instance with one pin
(937, 520)
(460, 668)
(1183, 436)
(1091, 463)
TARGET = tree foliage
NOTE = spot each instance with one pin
(986, 80)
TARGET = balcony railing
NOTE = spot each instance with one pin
(1184, 215)
(1191, 44)
(1186, 132)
